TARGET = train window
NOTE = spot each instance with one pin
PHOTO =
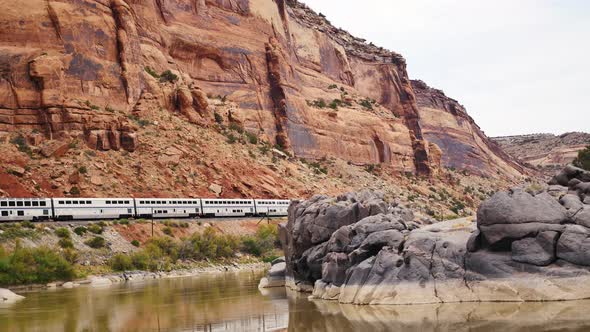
(27, 203)
(46, 212)
(120, 202)
(5, 213)
(3, 203)
(19, 203)
(35, 203)
(75, 202)
(60, 202)
(11, 203)
(108, 202)
(42, 203)
(20, 213)
(89, 202)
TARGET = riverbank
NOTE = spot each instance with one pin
(42, 254)
(102, 280)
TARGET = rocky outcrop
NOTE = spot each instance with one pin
(547, 152)
(359, 249)
(275, 276)
(8, 297)
(464, 146)
(82, 70)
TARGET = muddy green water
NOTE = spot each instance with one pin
(232, 302)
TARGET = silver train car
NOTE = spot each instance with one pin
(20, 209)
(272, 207)
(78, 208)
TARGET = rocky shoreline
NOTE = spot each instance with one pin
(528, 244)
(7, 295)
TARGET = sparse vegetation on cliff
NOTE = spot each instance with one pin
(583, 159)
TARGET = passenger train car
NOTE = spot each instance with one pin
(36, 209)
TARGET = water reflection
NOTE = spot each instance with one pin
(232, 302)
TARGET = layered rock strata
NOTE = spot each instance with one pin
(526, 246)
(91, 69)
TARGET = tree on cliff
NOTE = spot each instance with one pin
(583, 159)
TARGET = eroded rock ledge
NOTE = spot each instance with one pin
(525, 246)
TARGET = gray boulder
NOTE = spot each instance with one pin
(574, 245)
(8, 297)
(519, 207)
(539, 250)
(499, 234)
(582, 217)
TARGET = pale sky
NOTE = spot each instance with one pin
(518, 66)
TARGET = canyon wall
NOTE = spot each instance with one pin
(464, 146)
(88, 68)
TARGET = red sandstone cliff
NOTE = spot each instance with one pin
(464, 146)
(89, 69)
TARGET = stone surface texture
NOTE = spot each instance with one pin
(357, 248)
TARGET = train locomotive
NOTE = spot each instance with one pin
(70, 208)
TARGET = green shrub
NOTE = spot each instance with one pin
(236, 127)
(65, 243)
(168, 76)
(63, 233)
(252, 138)
(70, 255)
(319, 103)
(152, 72)
(264, 242)
(135, 243)
(367, 103)
(27, 224)
(168, 231)
(209, 245)
(80, 230)
(95, 228)
(75, 191)
(96, 242)
(332, 86)
(82, 170)
(231, 139)
(33, 265)
(121, 262)
(583, 159)
(124, 222)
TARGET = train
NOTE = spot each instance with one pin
(77, 208)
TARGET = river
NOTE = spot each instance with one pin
(232, 302)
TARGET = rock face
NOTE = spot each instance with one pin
(548, 152)
(464, 146)
(86, 69)
(359, 249)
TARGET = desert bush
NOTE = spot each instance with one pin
(168, 76)
(121, 262)
(33, 265)
(209, 245)
(95, 228)
(63, 233)
(27, 224)
(66, 243)
(135, 243)
(168, 231)
(96, 242)
(263, 242)
(80, 230)
(583, 159)
(252, 138)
